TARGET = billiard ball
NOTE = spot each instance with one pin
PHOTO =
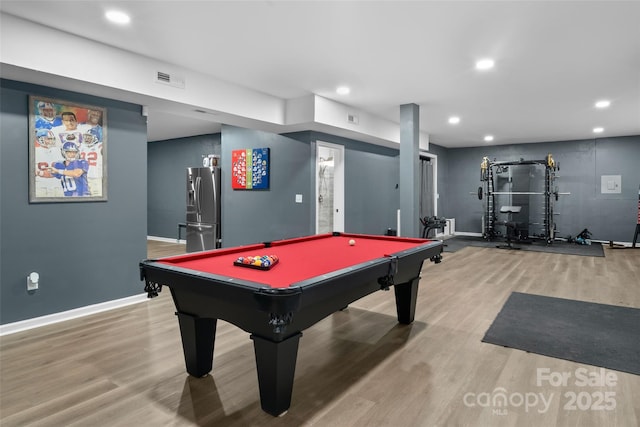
(352, 242)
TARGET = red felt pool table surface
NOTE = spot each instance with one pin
(299, 259)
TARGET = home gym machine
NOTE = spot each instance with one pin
(488, 170)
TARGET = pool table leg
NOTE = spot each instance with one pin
(198, 336)
(406, 297)
(276, 365)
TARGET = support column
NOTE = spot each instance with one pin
(409, 170)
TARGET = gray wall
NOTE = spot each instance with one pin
(371, 175)
(250, 216)
(371, 192)
(86, 253)
(582, 163)
(167, 192)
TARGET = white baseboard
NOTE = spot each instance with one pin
(606, 243)
(166, 239)
(465, 233)
(36, 322)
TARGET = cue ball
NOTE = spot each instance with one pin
(352, 242)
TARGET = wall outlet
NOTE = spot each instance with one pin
(33, 280)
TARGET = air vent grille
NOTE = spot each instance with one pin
(164, 77)
(170, 79)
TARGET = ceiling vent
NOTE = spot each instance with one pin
(170, 79)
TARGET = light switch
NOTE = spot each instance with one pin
(298, 198)
(611, 184)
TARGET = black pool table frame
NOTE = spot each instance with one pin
(274, 317)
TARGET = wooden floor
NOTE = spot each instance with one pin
(357, 367)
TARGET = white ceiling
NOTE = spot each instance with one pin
(554, 59)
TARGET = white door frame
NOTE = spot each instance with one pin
(434, 162)
(338, 184)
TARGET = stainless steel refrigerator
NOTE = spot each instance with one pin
(203, 209)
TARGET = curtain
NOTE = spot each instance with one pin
(426, 187)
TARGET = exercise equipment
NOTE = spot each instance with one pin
(511, 226)
(432, 223)
(490, 167)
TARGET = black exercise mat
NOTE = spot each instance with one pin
(558, 247)
(595, 334)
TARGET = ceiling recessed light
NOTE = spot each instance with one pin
(603, 103)
(488, 138)
(598, 130)
(454, 120)
(118, 17)
(485, 64)
(343, 90)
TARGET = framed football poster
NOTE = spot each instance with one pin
(67, 151)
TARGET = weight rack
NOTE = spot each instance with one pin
(487, 190)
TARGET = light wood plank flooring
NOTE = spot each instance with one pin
(357, 367)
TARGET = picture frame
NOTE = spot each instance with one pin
(67, 151)
(250, 169)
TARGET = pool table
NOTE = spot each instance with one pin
(314, 277)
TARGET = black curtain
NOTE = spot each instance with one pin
(426, 188)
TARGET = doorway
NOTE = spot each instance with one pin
(329, 187)
(428, 185)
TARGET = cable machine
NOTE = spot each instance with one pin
(488, 168)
